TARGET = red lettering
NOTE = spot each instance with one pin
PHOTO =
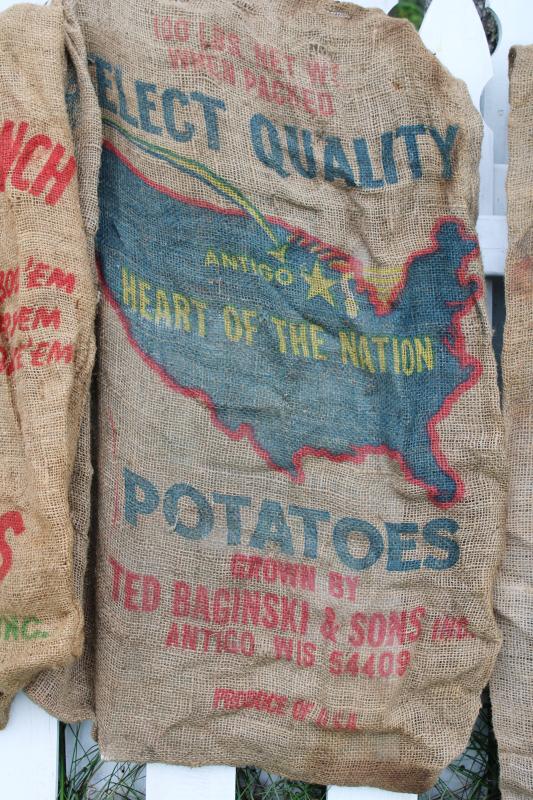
(221, 607)
(173, 639)
(61, 177)
(66, 281)
(38, 354)
(249, 79)
(201, 604)
(416, 618)
(9, 283)
(11, 521)
(131, 591)
(151, 594)
(283, 648)
(318, 72)
(301, 710)
(59, 352)
(308, 101)
(326, 107)
(118, 571)
(36, 275)
(181, 605)
(45, 318)
(17, 179)
(9, 148)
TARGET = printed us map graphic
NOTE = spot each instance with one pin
(309, 360)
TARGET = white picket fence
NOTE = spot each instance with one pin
(451, 29)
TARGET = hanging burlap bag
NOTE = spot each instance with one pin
(47, 303)
(300, 474)
(512, 683)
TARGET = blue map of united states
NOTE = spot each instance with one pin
(279, 335)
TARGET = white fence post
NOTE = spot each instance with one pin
(29, 753)
(344, 793)
(164, 782)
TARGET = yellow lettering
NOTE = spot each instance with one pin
(408, 357)
(424, 353)
(280, 326)
(298, 335)
(231, 262)
(348, 348)
(232, 324)
(129, 292)
(201, 308)
(250, 329)
(162, 308)
(284, 277)
(380, 342)
(317, 341)
(396, 355)
(266, 271)
(211, 259)
(182, 311)
(365, 356)
(144, 300)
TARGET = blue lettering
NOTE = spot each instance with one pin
(122, 103)
(336, 164)
(210, 107)
(103, 84)
(387, 156)
(206, 518)
(410, 134)
(398, 546)
(135, 505)
(146, 106)
(308, 170)
(272, 527)
(311, 517)
(445, 148)
(168, 99)
(433, 537)
(342, 531)
(233, 504)
(274, 158)
(366, 171)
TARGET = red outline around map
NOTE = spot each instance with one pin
(456, 344)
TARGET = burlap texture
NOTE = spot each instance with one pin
(512, 682)
(300, 470)
(47, 304)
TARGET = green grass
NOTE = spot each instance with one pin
(87, 777)
(254, 784)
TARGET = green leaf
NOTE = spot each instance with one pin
(409, 9)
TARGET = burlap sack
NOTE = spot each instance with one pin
(300, 454)
(47, 303)
(512, 682)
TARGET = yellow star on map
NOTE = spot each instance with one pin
(319, 285)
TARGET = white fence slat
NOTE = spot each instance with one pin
(515, 19)
(164, 782)
(500, 190)
(365, 793)
(453, 31)
(493, 237)
(29, 753)
(464, 50)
